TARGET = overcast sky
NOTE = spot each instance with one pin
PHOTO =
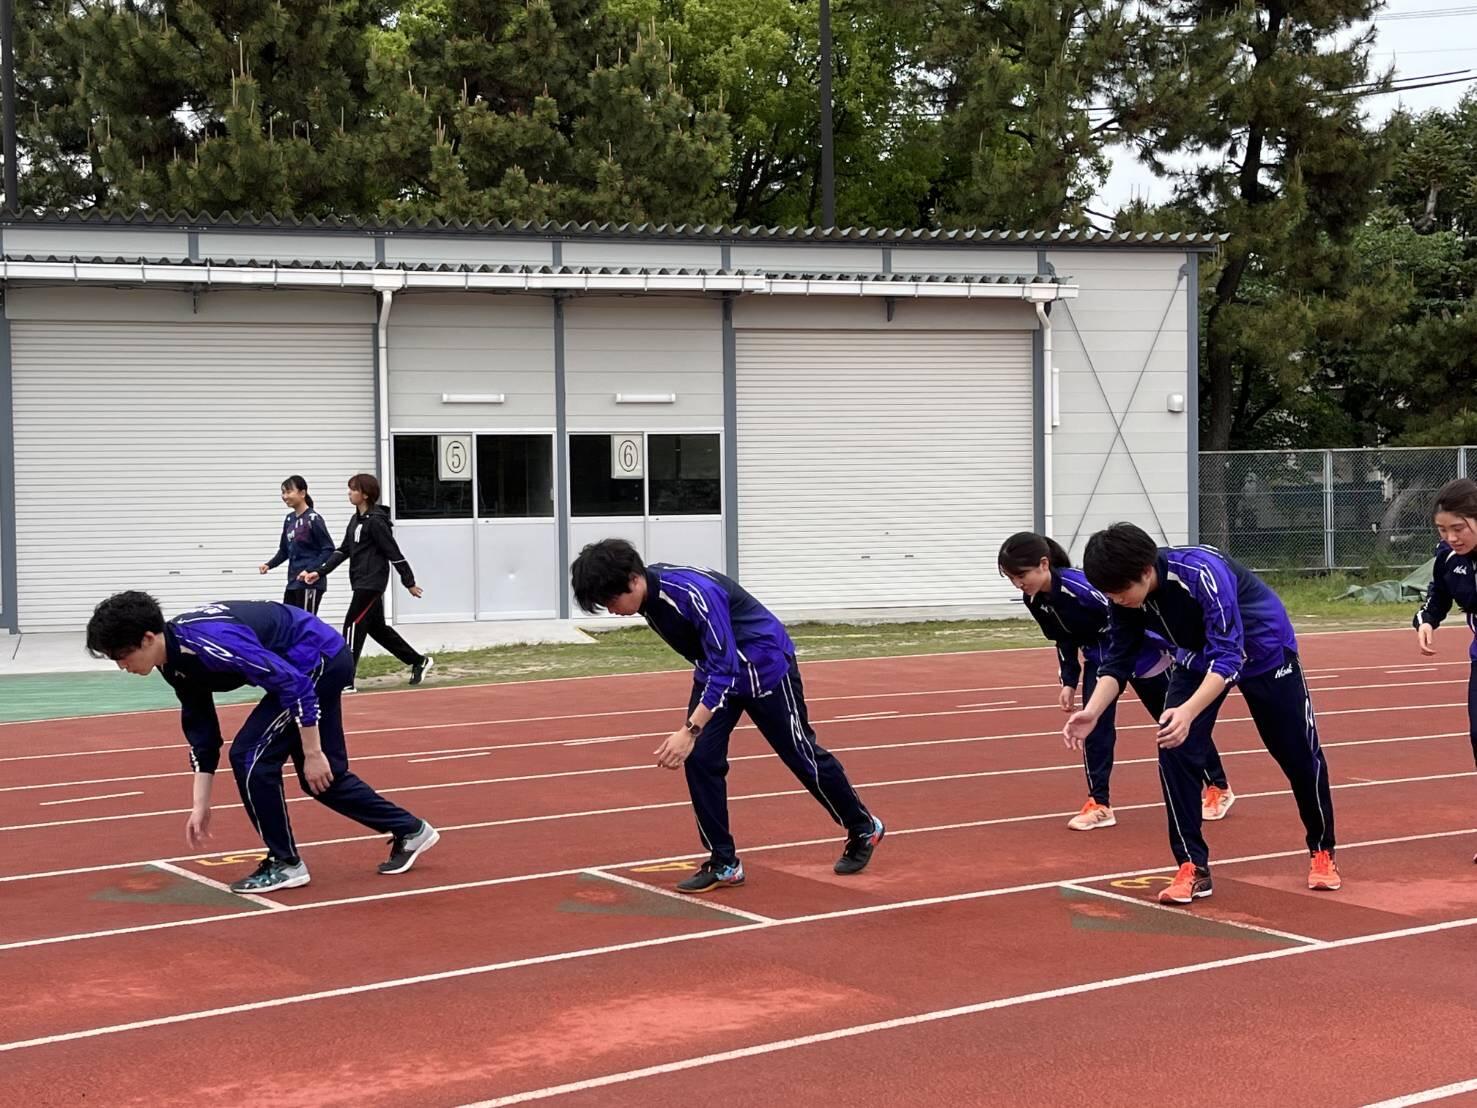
(1424, 37)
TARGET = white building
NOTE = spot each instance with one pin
(845, 420)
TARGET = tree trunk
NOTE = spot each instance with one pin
(1390, 518)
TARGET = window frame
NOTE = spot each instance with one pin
(646, 433)
(476, 517)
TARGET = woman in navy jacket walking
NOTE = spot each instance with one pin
(1454, 579)
(304, 546)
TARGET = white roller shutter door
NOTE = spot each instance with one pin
(149, 456)
(881, 468)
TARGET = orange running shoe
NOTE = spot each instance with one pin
(1093, 815)
(1190, 883)
(1215, 803)
(1323, 875)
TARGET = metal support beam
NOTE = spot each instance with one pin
(730, 442)
(9, 592)
(828, 138)
(1192, 394)
(561, 455)
(7, 92)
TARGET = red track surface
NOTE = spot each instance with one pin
(988, 955)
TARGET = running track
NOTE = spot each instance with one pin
(989, 955)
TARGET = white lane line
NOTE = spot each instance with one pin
(638, 767)
(813, 700)
(85, 799)
(221, 886)
(699, 936)
(1290, 936)
(1427, 1095)
(447, 757)
(455, 753)
(430, 690)
(517, 879)
(856, 1030)
(752, 796)
(716, 906)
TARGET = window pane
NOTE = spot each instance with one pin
(592, 490)
(685, 475)
(515, 476)
(419, 491)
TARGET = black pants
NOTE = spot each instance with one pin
(1283, 713)
(1097, 751)
(1472, 706)
(366, 617)
(306, 599)
(782, 719)
(269, 737)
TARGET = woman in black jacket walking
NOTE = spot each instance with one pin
(370, 548)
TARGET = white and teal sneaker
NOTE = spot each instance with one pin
(271, 875)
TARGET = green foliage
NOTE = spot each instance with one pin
(1339, 313)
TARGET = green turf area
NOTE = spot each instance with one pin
(638, 650)
(48, 696)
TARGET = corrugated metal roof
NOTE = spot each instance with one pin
(624, 231)
(565, 270)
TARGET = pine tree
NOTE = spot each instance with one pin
(542, 111)
(203, 105)
(1268, 103)
(1018, 88)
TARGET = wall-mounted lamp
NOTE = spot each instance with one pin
(646, 398)
(473, 397)
(1176, 402)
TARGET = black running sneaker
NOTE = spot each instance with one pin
(271, 875)
(859, 849)
(713, 876)
(421, 668)
(404, 849)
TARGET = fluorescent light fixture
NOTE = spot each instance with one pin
(473, 398)
(646, 398)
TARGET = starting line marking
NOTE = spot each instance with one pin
(1181, 912)
(752, 917)
(201, 879)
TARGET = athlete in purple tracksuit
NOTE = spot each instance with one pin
(1227, 627)
(743, 662)
(303, 665)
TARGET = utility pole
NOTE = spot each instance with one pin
(7, 91)
(828, 139)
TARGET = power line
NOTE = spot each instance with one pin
(1426, 13)
(1359, 92)
(1414, 77)
(1408, 88)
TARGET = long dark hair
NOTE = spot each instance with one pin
(1458, 497)
(1025, 549)
(296, 482)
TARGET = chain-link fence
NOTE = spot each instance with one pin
(1325, 509)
